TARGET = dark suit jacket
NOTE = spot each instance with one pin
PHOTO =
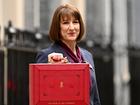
(42, 57)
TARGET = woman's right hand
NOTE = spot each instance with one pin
(57, 58)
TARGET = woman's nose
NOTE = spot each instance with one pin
(71, 26)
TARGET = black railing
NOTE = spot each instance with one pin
(15, 37)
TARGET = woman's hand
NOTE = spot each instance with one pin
(57, 58)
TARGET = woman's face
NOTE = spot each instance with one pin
(69, 28)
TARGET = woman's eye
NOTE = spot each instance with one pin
(76, 21)
(66, 22)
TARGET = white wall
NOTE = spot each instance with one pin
(11, 10)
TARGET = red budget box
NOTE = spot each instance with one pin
(59, 84)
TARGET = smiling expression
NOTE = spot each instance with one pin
(69, 28)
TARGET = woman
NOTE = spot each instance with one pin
(66, 30)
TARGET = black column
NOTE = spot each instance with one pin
(1, 77)
(103, 60)
(134, 66)
(18, 66)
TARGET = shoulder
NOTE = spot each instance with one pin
(42, 55)
(48, 50)
(85, 52)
